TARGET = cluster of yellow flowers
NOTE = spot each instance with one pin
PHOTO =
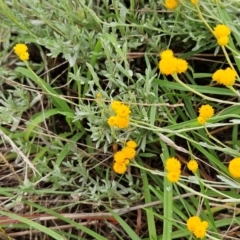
(222, 32)
(197, 227)
(122, 158)
(22, 51)
(234, 167)
(205, 112)
(170, 64)
(192, 165)
(226, 77)
(121, 117)
(173, 166)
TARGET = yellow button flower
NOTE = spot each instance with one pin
(201, 120)
(226, 77)
(22, 51)
(221, 30)
(192, 165)
(192, 222)
(131, 144)
(173, 176)
(121, 122)
(119, 157)
(223, 41)
(112, 121)
(171, 4)
(130, 153)
(166, 54)
(167, 66)
(119, 168)
(123, 110)
(181, 65)
(200, 230)
(173, 164)
(206, 111)
(234, 167)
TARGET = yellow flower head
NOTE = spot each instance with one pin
(121, 122)
(119, 168)
(170, 64)
(223, 41)
(173, 164)
(206, 111)
(200, 230)
(192, 165)
(115, 105)
(192, 222)
(119, 157)
(22, 51)
(131, 144)
(123, 110)
(205, 224)
(112, 121)
(181, 65)
(24, 56)
(20, 48)
(218, 75)
(201, 120)
(221, 30)
(166, 54)
(234, 167)
(171, 4)
(173, 176)
(167, 66)
(130, 153)
(226, 77)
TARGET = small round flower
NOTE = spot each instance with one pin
(166, 54)
(119, 168)
(181, 65)
(112, 121)
(221, 30)
(123, 110)
(205, 224)
(24, 56)
(192, 222)
(200, 230)
(20, 48)
(131, 144)
(234, 167)
(173, 164)
(206, 111)
(218, 75)
(115, 105)
(130, 153)
(120, 157)
(230, 77)
(223, 41)
(201, 120)
(121, 122)
(171, 4)
(192, 165)
(173, 176)
(167, 66)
